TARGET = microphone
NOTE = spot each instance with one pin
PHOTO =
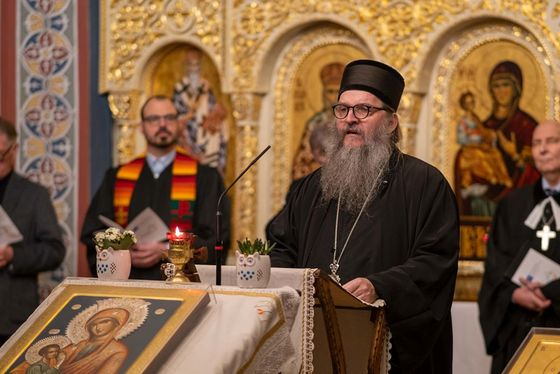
(219, 246)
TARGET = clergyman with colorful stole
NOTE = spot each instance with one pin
(181, 191)
(524, 229)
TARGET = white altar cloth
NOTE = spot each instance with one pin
(242, 329)
(302, 330)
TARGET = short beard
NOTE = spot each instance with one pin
(168, 141)
(164, 144)
(355, 173)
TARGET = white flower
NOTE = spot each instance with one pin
(114, 238)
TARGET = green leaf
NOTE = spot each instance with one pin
(247, 247)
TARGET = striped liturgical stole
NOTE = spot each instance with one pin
(183, 190)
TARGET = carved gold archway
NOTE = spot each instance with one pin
(240, 36)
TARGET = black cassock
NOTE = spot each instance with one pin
(505, 324)
(406, 243)
(156, 194)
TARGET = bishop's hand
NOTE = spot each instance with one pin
(530, 296)
(362, 288)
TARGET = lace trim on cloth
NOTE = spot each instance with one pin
(308, 301)
(388, 350)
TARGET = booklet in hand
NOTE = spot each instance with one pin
(536, 267)
(148, 226)
(9, 233)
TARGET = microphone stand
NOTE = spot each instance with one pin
(219, 246)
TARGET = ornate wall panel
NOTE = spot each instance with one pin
(246, 109)
(464, 66)
(132, 31)
(443, 151)
(47, 113)
(257, 45)
(131, 34)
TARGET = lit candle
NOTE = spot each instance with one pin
(177, 235)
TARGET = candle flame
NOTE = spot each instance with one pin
(177, 232)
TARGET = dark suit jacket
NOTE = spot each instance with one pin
(29, 206)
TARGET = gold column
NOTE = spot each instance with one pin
(125, 108)
(409, 111)
(246, 108)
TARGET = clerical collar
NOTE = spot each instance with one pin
(159, 164)
(547, 187)
(533, 219)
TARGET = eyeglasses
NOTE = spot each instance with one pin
(361, 111)
(4, 154)
(156, 119)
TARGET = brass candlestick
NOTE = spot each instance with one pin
(181, 268)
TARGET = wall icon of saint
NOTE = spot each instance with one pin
(206, 130)
(304, 161)
(495, 154)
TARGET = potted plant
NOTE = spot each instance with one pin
(253, 263)
(113, 253)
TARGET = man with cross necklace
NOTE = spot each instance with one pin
(381, 223)
(527, 218)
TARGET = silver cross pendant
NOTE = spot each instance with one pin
(334, 269)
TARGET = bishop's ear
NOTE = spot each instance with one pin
(393, 122)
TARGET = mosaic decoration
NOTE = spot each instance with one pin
(47, 113)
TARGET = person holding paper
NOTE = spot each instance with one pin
(515, 295)
(30, 237)
(382, 223)
(182, 192)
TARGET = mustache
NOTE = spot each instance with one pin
(352, 129)
(163, 131)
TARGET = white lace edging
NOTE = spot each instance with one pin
(308, 300)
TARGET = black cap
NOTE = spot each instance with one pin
(374, 77)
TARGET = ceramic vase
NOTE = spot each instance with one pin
(113, 264)
(252, 271)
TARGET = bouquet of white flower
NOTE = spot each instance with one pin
(114, 238)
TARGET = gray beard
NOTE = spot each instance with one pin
(355, 174)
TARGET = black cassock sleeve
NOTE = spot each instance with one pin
(209, 188)
(282, 229)
(419, 287)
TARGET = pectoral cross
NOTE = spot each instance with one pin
(334, 269)
(545, 234)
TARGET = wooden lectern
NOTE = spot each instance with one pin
(356, 332)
